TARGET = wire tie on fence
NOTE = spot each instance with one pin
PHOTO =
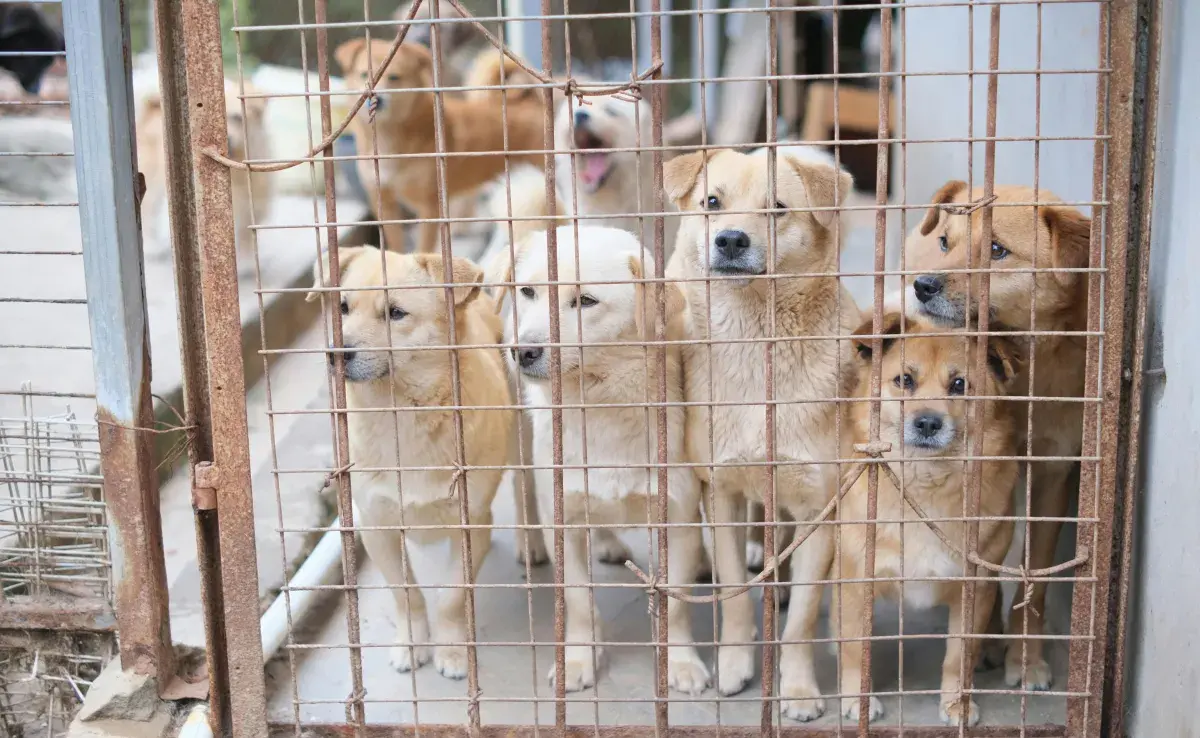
(352, 699)
(459, 475)
(966, 208)
(336, 473)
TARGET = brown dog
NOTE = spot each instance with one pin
(929, 426)
(405, 123)
(1050, 236)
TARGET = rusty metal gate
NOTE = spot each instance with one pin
(513, 624)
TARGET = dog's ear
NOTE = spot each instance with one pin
(946, 194)
(1070, 239)
(826, 186)
(348, 52)
(863, 346)
(644, 306)
(321, 267)
(1005, 355)
(465, 275)
(500, 268)
(422, 59)
(681, 174)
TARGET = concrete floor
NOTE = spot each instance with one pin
(315, 677)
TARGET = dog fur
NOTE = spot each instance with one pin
(413, 318)
(247, 137)
(924, 422)
(741, 308)
(600, 376)
(405, 123)
(1053, 236)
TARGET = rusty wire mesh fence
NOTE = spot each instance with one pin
(56, 617)
(733, 389)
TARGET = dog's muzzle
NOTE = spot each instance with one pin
(733, 254)
(531, 360)
(930, 291)
(929, 430)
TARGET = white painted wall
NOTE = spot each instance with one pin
(938, 39)
(1165, 635)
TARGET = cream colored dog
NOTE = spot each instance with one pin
(734, 249)
(413, 378)
(608, 492)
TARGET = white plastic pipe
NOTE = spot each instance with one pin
(323, 566)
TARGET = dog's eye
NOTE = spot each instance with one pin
(584, 301)
(998, 251)
(363, 75)
(345, 307)
(528, 292)
(393, 78)
(780, 206)
(905, 382)
(712, 202)
(958, 386)
(944, 243)
(395, 313)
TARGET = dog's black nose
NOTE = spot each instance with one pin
(581, 116)
(928, 425)
(927, 286)
(527, 356)
(731, 244)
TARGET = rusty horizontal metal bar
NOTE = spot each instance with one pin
(57, 613)
(334, 730)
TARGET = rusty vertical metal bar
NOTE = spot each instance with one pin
(770, 501)
(881, 189)
(657, 92)
(193, 347)
(464, 510)
(1121, 21)
(560, 612)
(110, 191)
(344, 496)
(226, 384)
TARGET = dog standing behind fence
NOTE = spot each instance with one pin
(416, 379)
(614, 437)
(928, 373)
(733, 249)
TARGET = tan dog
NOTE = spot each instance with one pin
(405, 378)
(1055, 236)
(247, 138)
(405, 123)
(928, 425)
(735, 251)
(618, 487)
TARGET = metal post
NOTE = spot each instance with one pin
(106, 168)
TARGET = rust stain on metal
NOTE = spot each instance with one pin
(206, 481)
(56, 612)
(328, 730)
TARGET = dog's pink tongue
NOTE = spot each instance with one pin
(594, 167)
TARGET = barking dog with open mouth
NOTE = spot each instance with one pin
(619, 486)
(1023, 237)
(414, 379)
(720, 242)
(928, 423)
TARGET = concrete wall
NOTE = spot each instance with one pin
(939, 40)
(1165, 638)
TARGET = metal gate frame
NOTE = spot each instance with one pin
(194, 100)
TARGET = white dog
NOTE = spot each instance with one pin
(619, 485)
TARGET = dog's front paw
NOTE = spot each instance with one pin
(802, 703)
(1036, 677)
(531, 549)
(951, 712)
(851, 708)
(754, 556)
(686, 672)
(609, 549)
(735, 668)
(405, 658)
(580, 670)
(451, 661)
